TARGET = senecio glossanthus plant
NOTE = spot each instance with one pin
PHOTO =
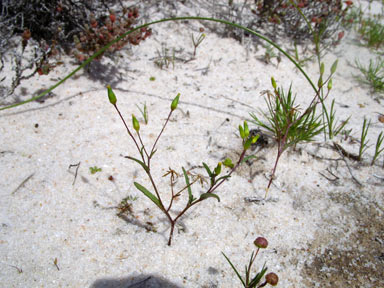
(271, 278)
(146, 156)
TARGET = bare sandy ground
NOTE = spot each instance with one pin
(323, 217)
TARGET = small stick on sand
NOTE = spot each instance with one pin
(23, 183)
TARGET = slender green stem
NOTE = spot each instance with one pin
(102, 50)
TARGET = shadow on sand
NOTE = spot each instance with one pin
(137, 281)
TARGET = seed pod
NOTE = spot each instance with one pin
(321, 69)
(320, 82)
(329, 84)
(272, 279)
(274, 85)
(334, 66)
(175, 102)
(135, 123)
(111, 95)
(261, 242)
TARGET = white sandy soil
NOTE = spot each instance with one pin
(58, 231)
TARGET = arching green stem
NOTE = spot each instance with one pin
(102, 50)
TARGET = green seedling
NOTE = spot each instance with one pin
(196, 42)
(372, 32)
(373, 74)
(363, 138)
(270, 53)
(253, 282)
(165, 57)
(216, 176)
(94, 169)
(144, 112)
(378, 148)
(333, 128)
(286, 123)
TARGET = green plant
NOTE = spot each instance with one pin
(372, 32)
(270, 54)
(94, 169)
(198, 41)
(165, 57)
(152, 78)
(146, 156)
(144, 113)
(363, 138)
(333, 128)
(317, 33)
(252, 282)
(373, 74)
(378, 148)
(286, 123)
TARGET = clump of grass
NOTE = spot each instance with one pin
(253, 282)
(373, 74)
(286, 123)
(372, 32)
(215, 176)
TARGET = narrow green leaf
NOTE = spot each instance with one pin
(242, 133)
(152, 197)
(246, 129)
(249, 157)
(208, 195)
(234, 269)
(258, 276)
(153, 153)
(145, 167)
(190, 195)
(208, 170)
(223, 177)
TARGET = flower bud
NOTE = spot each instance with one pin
(111, 95)
(241, 130)
(320, 82)
(261, 242)
(272, 279)
(329, 84)
(274, 85)
(218, 169)
(135, 123)
(175, 102)
(246, 129)
(334, 66)
(321, 69)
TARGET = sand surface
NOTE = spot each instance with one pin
(323, 216)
